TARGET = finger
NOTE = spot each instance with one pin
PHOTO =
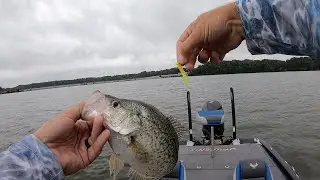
(215, 57)
(204, 56)
(187, 46)
(186, 43)
(192, 59)
(85, 136)
(73, 112)
(222, 57)
(180, 41)
(89, 125)
(97, 129)
(96, 148)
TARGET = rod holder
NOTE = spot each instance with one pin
(212, 142)
(234, 128)
(189, 116)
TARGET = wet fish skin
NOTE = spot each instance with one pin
(151, 138)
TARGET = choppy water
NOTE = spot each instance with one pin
(282, 108)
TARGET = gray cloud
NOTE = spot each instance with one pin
(54, 40)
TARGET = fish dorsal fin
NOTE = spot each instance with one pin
(135, 175)
(178, 126)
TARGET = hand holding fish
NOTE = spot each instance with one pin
(212, 35)
(66, 136)
(141, 136)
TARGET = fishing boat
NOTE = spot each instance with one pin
(217, 157)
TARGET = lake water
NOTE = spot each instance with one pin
(282, 108)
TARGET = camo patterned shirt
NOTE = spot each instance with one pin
(29, 159)
(290, 27)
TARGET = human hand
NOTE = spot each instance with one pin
(66, 136)
(212, 35)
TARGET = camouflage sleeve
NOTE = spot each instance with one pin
(29, 159)
(289, 27)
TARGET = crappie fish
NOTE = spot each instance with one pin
(140, 135)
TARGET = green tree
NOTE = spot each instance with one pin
(301, 64)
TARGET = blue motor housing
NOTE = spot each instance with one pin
(211, 114)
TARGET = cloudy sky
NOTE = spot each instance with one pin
(54, 40)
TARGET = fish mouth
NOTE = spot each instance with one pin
(94, 105)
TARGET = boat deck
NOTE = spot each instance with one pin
(198, 163)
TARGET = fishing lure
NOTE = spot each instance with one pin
(184, 74)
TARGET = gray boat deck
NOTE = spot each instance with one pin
(199, 164)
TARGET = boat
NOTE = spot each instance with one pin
(214, 156)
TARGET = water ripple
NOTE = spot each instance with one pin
(282, 108)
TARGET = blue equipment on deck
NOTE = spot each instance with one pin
(211, 114)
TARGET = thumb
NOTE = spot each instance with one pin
(73, 112)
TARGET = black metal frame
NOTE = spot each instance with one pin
(189, 116)
(234, 135)
(234, 128)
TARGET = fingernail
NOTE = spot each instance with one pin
(181, 59)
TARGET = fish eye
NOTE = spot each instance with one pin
(115, 104)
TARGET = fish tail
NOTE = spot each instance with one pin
(115, 165)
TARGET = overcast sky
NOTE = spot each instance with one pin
(54, 40)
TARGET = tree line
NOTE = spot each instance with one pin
(255, 66)
(88, 80)
(226, 67)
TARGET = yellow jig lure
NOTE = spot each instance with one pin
(184, 74)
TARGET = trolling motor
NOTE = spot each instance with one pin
(211, 117)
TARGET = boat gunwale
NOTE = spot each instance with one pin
(282, 164)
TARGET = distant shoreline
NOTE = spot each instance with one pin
(124, 80)
(226, 67)
(84, 84)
